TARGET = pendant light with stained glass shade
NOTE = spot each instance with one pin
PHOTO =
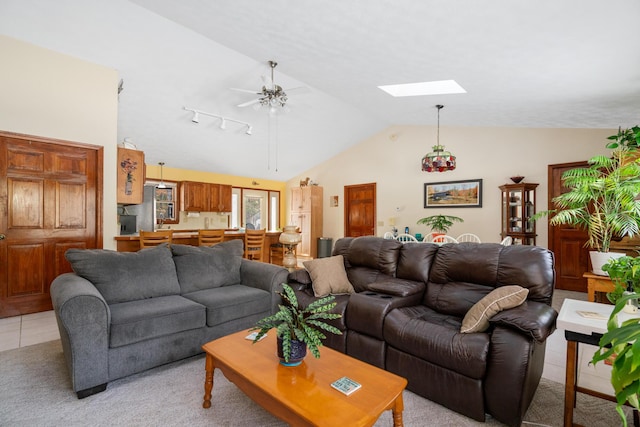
(439, 160)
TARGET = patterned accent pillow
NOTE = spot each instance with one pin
(502, 298)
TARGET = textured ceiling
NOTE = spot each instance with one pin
(549, 63)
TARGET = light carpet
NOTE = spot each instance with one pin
(35, 390)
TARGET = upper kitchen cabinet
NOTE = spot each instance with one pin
(130, 177)
(205, 197)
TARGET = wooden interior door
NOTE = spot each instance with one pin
(567, 243)
(50, 201)
(360, 210)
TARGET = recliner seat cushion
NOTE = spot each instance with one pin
(127, 276)
(204, 267)
(231, 302)
(140, 320)
(436, 338)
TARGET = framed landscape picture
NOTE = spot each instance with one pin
(453, 194)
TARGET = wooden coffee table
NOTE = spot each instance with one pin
(302, 395)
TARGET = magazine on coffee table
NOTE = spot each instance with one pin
(345, 385)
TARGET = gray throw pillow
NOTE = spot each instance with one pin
(204, 267)
(127, 276)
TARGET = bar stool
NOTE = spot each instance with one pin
(254, 244)
(210, 237)
(155, 238)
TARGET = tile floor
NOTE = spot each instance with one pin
(22, 331)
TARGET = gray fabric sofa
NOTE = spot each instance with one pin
(120, 313)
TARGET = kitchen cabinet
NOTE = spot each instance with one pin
(518, 206)
(130, 177)
(205, 197)
(306, 214)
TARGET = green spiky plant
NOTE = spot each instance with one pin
(621, 343)
(305, 324)
(440, 223)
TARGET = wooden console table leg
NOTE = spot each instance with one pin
(397, 409)
(208, 381)
(570, 382)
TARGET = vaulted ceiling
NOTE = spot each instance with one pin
(548, 63)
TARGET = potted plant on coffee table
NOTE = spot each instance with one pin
(298, 328)
(621, 344)
(602, 200)
(439, 224)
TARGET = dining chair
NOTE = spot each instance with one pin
(155, 238)
(468, 237)
(388, 235)
(404, 238)
(445, 239)
(507, 241)
(210, 237)
(254, 244)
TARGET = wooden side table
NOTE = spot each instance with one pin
(578, 329)
(597, 283)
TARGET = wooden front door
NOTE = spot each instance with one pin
(50, 201)
(360, 210)
(567, 243)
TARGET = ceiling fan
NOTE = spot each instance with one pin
(271, 95)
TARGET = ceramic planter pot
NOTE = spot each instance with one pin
(298, 353)
(598, 259)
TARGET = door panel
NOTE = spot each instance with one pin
(360, 210)
(49, 202)
(567, 243)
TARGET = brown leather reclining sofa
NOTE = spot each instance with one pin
(406, 313)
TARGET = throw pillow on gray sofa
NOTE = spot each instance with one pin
(127, 276)
(206, 267)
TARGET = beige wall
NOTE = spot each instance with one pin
(48, 94)
(392, 160)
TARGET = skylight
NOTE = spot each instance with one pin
(441, 87)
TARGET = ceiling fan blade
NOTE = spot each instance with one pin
(253, 92)
(246, 104)
(298, 89)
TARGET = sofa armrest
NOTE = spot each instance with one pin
(367, 310)
(300, 280)
(83, 318)
(533, 318)
(397, 287)
(267, 277)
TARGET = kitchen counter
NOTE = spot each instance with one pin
(131, 242)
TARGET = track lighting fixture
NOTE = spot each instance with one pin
(223, 122)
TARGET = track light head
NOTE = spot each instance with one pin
(196, 117)
(223, 124)
(249, 130)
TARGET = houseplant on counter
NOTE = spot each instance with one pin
(439, 224)
(298, 328)
(602, 200)
(620, 342)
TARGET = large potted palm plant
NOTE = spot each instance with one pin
(602, 198)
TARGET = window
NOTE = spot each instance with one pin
(255, 209)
